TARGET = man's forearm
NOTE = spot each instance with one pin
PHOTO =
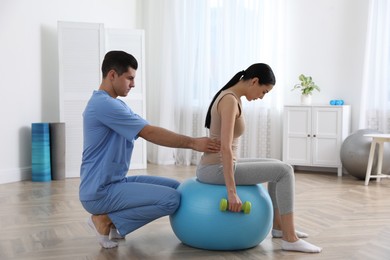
(164, 137)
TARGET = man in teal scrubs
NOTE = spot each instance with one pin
(117, 202)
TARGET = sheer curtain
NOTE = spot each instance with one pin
(203, 44)
(375, 104)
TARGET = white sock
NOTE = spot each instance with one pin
(103, 240)
(279, 234)
(114, 234)
(301, 246)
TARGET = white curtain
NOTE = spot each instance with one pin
(203, 44)
(375, 104)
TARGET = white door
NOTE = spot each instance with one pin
(81, 49)
(297, 129)
(326, 131)
(79, 53)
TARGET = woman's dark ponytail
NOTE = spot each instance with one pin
(231, 83)
(260, 70)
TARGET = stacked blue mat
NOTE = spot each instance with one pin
(47, 151)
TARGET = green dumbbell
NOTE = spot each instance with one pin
(246, 207)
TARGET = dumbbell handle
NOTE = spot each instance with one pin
(246, 206)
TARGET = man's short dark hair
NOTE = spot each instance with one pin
(119, 61)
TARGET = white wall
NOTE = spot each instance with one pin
(29, 67)
(326, 39)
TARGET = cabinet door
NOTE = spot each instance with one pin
(326, 132)
(297, 135)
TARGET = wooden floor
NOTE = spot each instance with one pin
(46, 221)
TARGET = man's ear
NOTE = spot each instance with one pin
(111, 74)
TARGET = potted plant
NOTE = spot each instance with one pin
(307, 86)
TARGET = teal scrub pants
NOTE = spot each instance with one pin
(136, 201)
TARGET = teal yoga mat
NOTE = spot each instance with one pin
(40, 152)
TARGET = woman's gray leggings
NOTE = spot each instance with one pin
(279, 175)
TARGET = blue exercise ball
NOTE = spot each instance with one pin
(200, 223)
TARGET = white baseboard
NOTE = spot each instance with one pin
(15, 175)
(316, 169)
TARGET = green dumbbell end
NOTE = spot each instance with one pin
(223, 205)
(246, 207)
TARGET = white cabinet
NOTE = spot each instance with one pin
(312, 135)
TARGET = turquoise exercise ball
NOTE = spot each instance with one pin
(200, 223)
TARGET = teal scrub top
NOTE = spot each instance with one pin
(110, 129)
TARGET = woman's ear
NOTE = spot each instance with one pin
(255, 81)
